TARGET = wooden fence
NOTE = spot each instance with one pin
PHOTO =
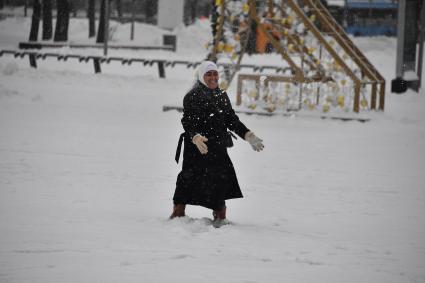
(98, 60)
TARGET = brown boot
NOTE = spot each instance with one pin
(220, 214)
(220, 218)
(178, 211)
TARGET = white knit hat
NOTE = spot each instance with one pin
(204, 68)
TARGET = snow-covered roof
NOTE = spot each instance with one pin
(383, 4)
(340, 3)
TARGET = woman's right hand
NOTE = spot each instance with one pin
(199, 141)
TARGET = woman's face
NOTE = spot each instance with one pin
(211, 79)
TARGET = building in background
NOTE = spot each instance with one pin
(366, 17)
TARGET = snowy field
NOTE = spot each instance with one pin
(87, 175)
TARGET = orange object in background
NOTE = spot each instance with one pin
(263, 43)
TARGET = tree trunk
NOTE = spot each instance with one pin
(26, 8)
(151, 7)
(92, 18)
(133, 8)
(119, 9)
(214, 19)
(193, 11)
(190, 11)
(47, 20)
(101, 27)
(62, 21)
(35, 23)
(1, 4)
(73, 8)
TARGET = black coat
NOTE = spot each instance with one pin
(208, 180)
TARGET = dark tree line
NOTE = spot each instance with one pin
(42, 10)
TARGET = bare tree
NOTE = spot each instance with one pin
(101, 27)
(133, 8)
(119, 9)
(47, 20)
(62, 22)
(73, 8)
(92, 18)
(26, 8)
(151, 9)
(190, 11)
(35, 23)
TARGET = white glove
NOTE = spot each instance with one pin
(199, 141)
(254, 141)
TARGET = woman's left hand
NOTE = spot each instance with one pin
(255, 142)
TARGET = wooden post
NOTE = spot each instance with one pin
(373, 96)
(239, 91)
(382, 96)
(106, 38)
(270, 8)
(220, 23)
(318, 85)
(33, 61)
(96, 64)
(257, 86)
(300, 102)
(161, 69)
(356, 106)
(317, 94)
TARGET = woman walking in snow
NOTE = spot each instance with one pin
(208, 177)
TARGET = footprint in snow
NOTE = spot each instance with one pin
(180, 256)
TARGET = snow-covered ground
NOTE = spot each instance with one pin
(87, 175)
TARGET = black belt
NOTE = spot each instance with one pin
(180, 142)
(179, 147)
